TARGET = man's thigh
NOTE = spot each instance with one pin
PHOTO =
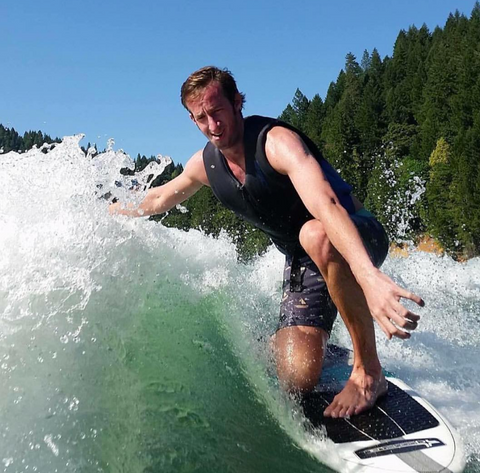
(305, 298)
(306, 301)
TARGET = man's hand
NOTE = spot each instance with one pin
(113, 208)
(383, 299)
(161, 199)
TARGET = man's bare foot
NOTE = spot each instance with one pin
(359, 394)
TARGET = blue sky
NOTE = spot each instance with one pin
(114, 68)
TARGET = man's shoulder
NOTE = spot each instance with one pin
(283, 146)
(258, 119)
(195, 167)
(196, 161)
(280, 133)
(258, 127)
(270, 127)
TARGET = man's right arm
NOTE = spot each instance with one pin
(161, 199)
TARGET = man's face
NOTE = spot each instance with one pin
(216, 117)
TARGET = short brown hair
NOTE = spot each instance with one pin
(200, 79)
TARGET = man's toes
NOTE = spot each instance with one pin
(330, 409)
(329, 413)
(333, 412)
(350, 411)
(340, 410)
(361, 408)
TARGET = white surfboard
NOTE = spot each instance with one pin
(401, 433)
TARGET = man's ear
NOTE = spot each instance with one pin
(238, 102)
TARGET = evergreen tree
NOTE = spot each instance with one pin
(314, 120)
(339, 132)
(369, 122)
(10, 140)
(296, 113)
(300, 105)
(397, 102)
(464, 195)
(366, 61)
(288, 115)
(439, 210)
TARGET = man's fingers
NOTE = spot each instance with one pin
(411, 316)
(385, 330)
(405, 324)
(393, 318)
(389, 327)
(410, 325)
(402, 320)
(405, 313)
(413, 297)
(400, 333)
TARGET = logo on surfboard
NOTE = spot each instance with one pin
(398, 446)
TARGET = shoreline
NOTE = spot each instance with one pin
(426, 244)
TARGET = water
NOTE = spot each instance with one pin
(129, 347)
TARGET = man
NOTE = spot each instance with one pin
(273, 176)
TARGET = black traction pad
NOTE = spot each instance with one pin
(394, 415)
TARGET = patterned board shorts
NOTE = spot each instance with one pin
(306, 300)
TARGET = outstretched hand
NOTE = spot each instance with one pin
(383, 299)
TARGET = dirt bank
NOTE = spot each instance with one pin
(425, 243)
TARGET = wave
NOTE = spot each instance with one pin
(128, 346)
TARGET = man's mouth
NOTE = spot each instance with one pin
(217, 135)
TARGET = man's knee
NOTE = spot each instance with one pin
(299, 376)
(299, 353)
(298, 383)
(316, 243)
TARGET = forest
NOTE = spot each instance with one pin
(403, 130)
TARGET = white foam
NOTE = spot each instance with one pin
(60, 247)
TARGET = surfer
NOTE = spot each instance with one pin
(273, 176)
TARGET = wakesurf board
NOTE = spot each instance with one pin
(401, 433)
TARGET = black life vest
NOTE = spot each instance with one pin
(268, 199)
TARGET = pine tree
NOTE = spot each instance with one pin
(288, 115)
(314, 120)
(439, 208)
(300, 105)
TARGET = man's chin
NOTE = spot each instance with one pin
(220, 144)
(216, 141)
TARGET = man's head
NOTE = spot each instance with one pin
(199, 80)
(215, 105)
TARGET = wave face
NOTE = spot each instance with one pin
(126, 346)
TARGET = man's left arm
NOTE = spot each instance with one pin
(288, 154)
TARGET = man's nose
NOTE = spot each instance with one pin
(212, 124)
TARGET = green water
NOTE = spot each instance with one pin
(170, 395)
(129, 347)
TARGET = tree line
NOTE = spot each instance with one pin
(11, 140)
(403, 130)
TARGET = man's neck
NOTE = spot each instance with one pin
(236, 153)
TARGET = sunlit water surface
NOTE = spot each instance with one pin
(126, 346)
